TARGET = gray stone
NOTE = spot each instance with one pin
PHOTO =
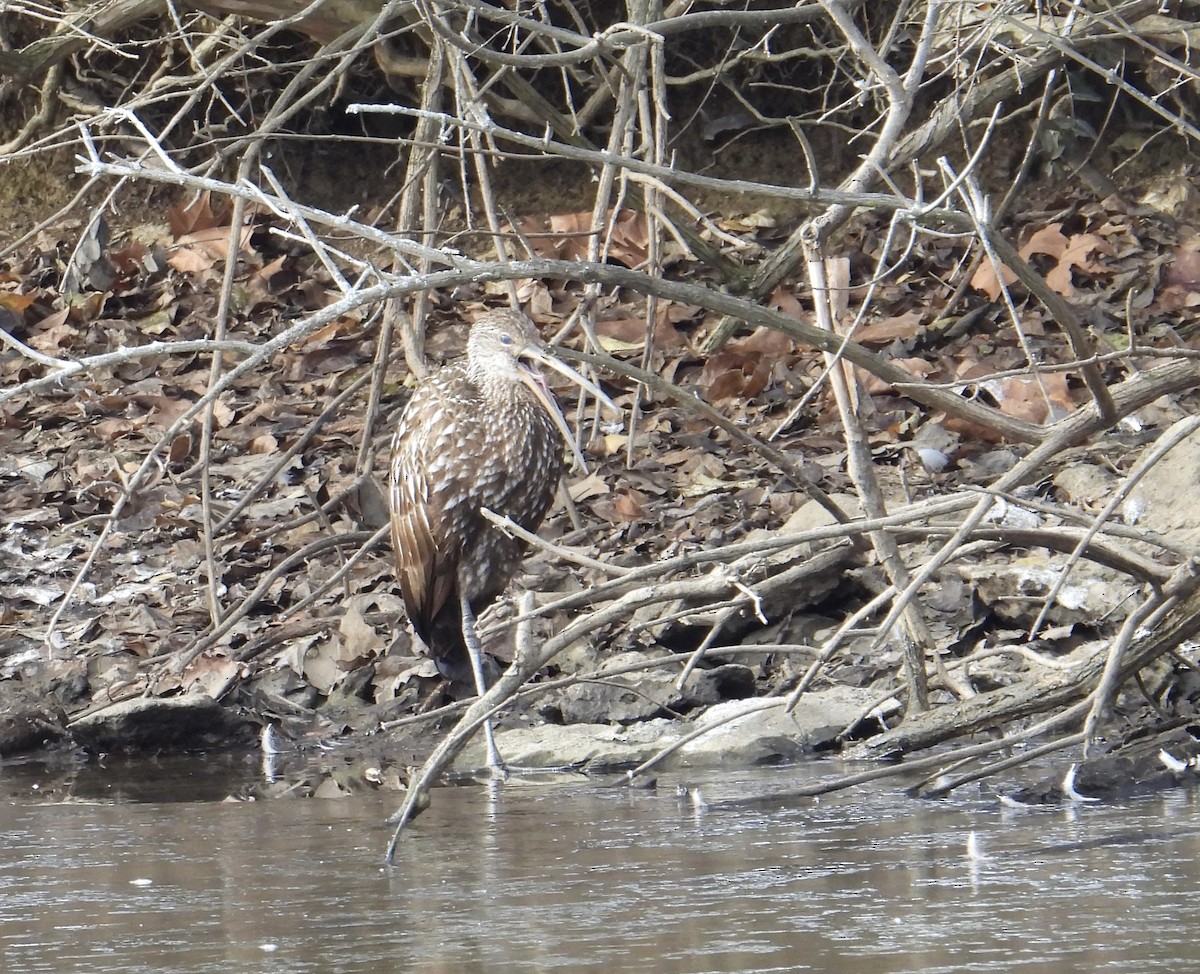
(743, 733)
(192, 722)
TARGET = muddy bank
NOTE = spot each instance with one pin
(203, 360)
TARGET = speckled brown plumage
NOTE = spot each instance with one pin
(474, 435)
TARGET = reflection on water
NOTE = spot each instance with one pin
(571, 878)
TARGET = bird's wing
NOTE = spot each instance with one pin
(418, 562)
(424, 538)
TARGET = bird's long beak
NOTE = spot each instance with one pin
(537, 385)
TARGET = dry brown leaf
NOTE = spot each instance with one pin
(1048, 240)
(723, 377)
(223, 415)
(198, 251)
(887, 330)
(970, 368)
(733, 374)
(630, 505)
(625, 233)
(785, 302)
(190, 261)
(181, 448)
(613, 345)
(763, 341)
(326, 661)
(1024, 397)
(593, 485)
(197, 215)
(609, 444)
(52, 332)
(985, 279)
(1184, 268)
(261, 287)
(630, 239)
(15, 301)
(357, 637)
(1068, 253)
(337, 328)
(919, 367)
(626, 505)
(626, 331)
(1079, 254)
(263, 443)
(129, 260)
(539, 304)
(211, 673)
(702, 485)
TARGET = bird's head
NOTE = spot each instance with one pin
(504, 346)
(499, 345)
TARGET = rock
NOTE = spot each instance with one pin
(187, 723)
(1085, 484)
(761, 736)
(645, 694)
(743, 734)
(605, 747)
(1164, 760)
(27, 731)
(1167, 499)
(1014, 591)
(809, 517)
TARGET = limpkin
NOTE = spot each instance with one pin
(482, 432)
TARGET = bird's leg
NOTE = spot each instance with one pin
(475, 652)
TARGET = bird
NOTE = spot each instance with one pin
(484, 431)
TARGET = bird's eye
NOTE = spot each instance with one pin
(506, 339)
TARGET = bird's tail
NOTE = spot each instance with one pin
(448, 648)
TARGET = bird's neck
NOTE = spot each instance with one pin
(497, 388)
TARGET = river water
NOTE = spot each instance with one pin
(573, 877)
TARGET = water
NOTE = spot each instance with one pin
(575, 878)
